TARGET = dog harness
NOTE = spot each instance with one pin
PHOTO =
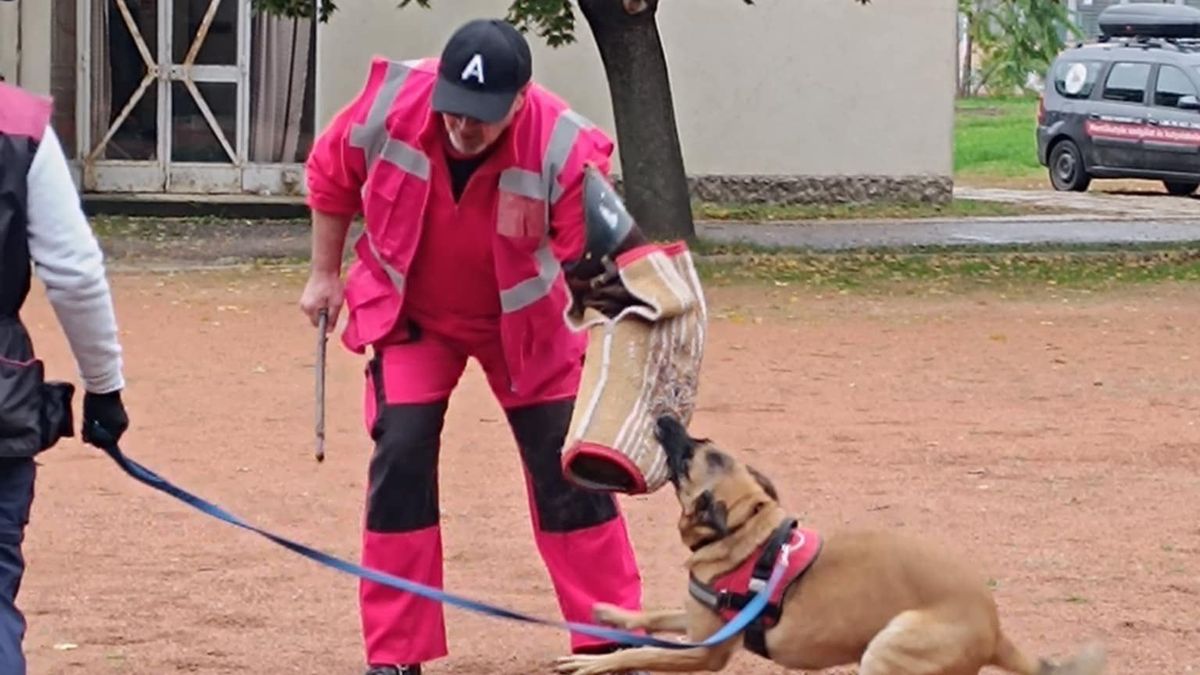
(730, 592)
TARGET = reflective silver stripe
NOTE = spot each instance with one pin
(562, 139)
(369, 135)
(394, 276)
(406, 157)
(522, 182)
(703, 594)
(543, 187)
(531, 290)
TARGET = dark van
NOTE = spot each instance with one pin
(1128, 104)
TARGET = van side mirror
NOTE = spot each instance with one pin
(1188, 102)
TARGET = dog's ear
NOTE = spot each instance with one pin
(764, 482)
(712, 513)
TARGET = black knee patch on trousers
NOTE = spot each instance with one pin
(402, 493)
(561, 506)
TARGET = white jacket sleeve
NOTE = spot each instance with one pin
(68, 261)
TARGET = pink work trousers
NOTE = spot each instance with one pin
(580, 535)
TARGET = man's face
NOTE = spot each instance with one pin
(470, 136)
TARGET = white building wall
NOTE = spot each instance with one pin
(784, 87)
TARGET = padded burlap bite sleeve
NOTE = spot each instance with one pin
(642, 361)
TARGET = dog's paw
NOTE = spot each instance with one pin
(611, 615)
(581, 664)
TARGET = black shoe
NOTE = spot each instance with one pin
(394, 670)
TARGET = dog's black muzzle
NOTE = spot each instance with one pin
(677, 445)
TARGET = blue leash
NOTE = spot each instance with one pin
(736, 625)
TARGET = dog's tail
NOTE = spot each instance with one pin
(1088, 661)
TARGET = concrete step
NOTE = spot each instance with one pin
(194, 205)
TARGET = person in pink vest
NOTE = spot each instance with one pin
(470, 180)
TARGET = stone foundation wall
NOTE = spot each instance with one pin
(851, 189)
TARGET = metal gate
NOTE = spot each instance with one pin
(163, 100)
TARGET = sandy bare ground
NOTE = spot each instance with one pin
(1054, 438)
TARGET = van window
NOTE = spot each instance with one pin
(1127, 82)
(1075, 79)
(1172, 83)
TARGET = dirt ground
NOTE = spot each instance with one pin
(1053, 438)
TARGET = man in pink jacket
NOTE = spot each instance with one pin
(470, 181)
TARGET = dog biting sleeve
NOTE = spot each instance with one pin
(643, 360)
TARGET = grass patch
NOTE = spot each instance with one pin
(946, 270)
(996, 138)
(155, 228)
(881, 211)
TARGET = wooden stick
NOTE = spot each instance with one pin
(321, 340)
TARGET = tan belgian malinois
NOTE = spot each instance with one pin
(891, 604)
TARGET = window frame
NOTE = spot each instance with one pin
(1195, 91)
(1096, 65)
(1146, 83)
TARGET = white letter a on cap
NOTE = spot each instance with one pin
(474, 68)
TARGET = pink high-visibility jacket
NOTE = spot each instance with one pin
(374, 158)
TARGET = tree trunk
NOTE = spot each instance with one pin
(968, 69)
(654, 183)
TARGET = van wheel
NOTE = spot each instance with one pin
(1066, 168)
(1180, 189)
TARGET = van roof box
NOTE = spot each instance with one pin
(1144, 20)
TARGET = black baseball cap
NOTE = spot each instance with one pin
(483, 66)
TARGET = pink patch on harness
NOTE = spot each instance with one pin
(801, 551)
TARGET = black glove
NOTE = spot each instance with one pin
(107, 412)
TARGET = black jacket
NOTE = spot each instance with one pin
(34, 413)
